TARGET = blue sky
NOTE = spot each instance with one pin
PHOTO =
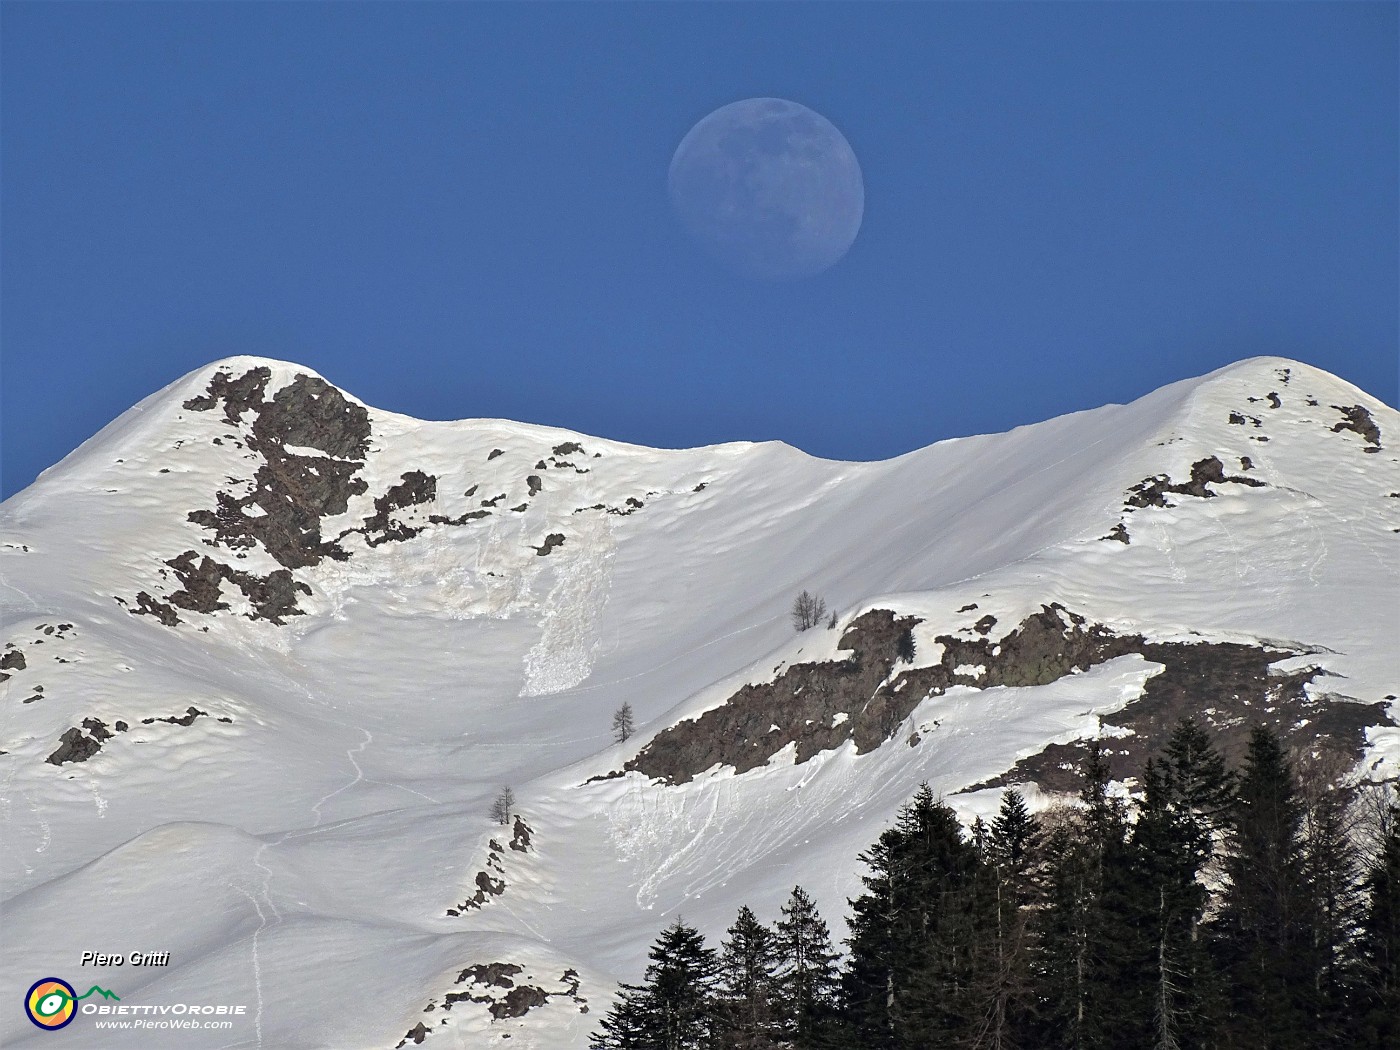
(457, 210)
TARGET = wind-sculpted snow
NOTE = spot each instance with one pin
(372, 623)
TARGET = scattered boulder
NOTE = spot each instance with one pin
(553, 540)
(75, 746)
(520, 841)
(1119, 532)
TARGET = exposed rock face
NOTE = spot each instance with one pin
(1152, 492)
(273, 597)
(414, 488)
(803, 702)
(191, 713)
(237, 395)
(501, 988)
(820, 706)
(487, 884)
(1232, 689)
(554, 539)
(74, 746)
(162, 611)
(1358, 420)
(495, 974)
(519, 1001)
(313, 443)
(13, 660)
(292, 491)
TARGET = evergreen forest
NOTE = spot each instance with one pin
(1247, 908)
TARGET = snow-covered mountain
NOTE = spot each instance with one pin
(269, 653)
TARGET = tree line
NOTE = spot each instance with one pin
(1248, 909)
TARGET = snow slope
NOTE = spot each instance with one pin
(291, 809)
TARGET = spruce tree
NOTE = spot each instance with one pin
(1199, 790)
(1334, 902)
(1010, 851)
(807, 974)
(920, 971)
(627, 1025)
(1088, 959)
(673, 1009)
(1169, 850)
(1380, 947)
(749, 1012)
(1265, 958)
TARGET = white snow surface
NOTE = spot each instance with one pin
(299, 859)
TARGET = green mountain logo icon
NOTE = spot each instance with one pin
(100, 991)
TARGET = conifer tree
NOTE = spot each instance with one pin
(1334, 902)
(1011, 841)
(623, 723)
(627, 1025)
(1199, 791)
(1185, 809)
(1380, 947)
(920, 972)
(807, 974)
(1169, 849)
(673, 1009)
(749, 1011)
(1266, 962)
(1088, 960)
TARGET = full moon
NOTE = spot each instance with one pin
(768, 187)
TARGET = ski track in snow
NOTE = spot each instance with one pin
(257, 963)
(359, 777)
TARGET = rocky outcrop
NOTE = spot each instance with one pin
(1228, 686)
(503, 989)
(1153, 491)
(312, 443)
(75, 746)
(273, 597)
(1357, 419)
(864, 699)
(292, 491)
(553, 540)
(414, 488)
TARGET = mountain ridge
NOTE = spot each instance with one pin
(1236, 530)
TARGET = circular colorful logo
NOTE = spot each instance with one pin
(51, 1003)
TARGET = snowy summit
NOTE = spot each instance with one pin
(270, 654)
